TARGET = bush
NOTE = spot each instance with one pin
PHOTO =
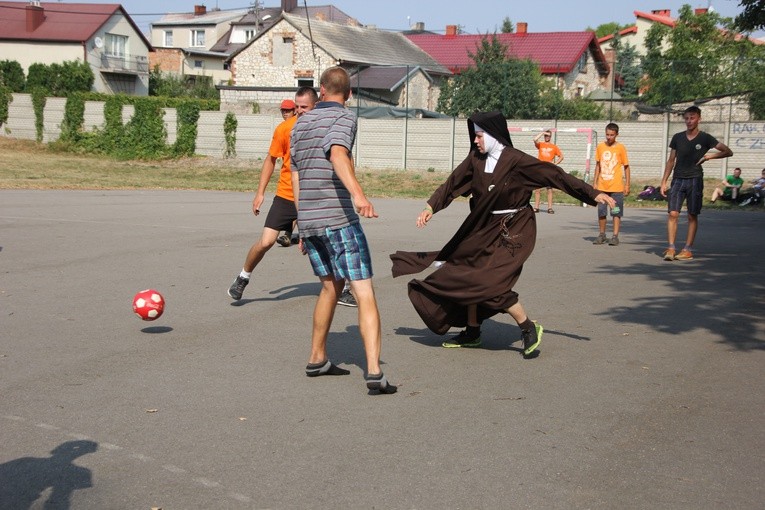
(39, 98)
(186, 139)
(60, 80)
(74, 118)
(12, 75)
(229, 131)
(171, 85)
(6, 97)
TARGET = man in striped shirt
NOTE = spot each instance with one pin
(329, 201)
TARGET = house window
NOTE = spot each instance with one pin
(305, 82)
(283, 51)
(116, 45)
(197, 37)
(169, 38)
(198, 64)
(582, 65)
(249, 34)
(579, 91)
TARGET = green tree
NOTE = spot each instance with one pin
(700, 60)
(507, 26)
(605, 29)
(752, 17)
(495, 82)
(627, 67)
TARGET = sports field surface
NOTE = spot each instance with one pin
(648, 393)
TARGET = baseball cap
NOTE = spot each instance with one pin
(288, 104)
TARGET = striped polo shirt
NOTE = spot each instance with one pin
(323, 202)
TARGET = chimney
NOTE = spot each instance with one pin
(521, 27)
(200, 10)
(289, 5)
(419, 26)
(662, 12)
(699, 11)
(35, 15)
(451, 30)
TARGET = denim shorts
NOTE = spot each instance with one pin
(619, 199)
(342, 253)
(690, 190)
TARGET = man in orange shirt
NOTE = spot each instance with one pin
(550, 153)
(612, 177)
(282, 213)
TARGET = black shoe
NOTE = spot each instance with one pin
(380, 384)
(614, 241)
(601, 239)
(237, 288)
(462, 340)
(531, 340)
(284, 240)
(347, 299)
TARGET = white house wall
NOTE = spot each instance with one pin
(28, 53)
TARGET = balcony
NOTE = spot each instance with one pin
(126, 64)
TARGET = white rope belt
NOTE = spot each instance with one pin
(506, 211)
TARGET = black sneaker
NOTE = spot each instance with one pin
(614, 241)
(601, 239)
(237, 288)
(284, 240)
(462, 340)
(531, 340)
(347, 299)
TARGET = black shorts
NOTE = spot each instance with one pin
(689, 190)
(281, 214)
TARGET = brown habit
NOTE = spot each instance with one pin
(485, 257)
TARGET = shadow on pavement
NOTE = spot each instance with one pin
(23, 481)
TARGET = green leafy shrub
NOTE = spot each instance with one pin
(39, 98)
(74, 117)
(12, 75)
(186, 139)
(229, 130)
(6, 97)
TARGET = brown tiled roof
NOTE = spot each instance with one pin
(62, 22)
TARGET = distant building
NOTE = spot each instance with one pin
(387, 68)
(200, 43)
(103, 35)
(573, 59)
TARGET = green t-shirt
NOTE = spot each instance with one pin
(733, 181)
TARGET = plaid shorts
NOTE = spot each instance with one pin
(690, 190)
(342, 253)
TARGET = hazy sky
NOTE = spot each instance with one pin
(475, 16)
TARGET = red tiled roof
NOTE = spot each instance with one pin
(666, 20)
(63, 22)
(554, 52)
(625, 31)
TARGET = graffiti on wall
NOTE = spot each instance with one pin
(749, 135)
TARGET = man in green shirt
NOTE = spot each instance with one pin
(729, 188)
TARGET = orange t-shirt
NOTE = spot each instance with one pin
(548, 151)
(280, 148)
(612, 161)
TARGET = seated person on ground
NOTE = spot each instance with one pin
(729, 188)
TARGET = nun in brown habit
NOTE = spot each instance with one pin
(479, 266)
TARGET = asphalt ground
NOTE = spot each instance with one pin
(648, 392)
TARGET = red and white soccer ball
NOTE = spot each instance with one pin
(148, 304)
